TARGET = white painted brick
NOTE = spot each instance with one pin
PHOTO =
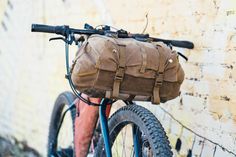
(197, 146)
(220, 152)
(32, 70)
(208, 149)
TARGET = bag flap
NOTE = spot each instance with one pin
(107, 51)
(137, 53)
(101, 52)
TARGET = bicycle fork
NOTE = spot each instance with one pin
(105, 131)
(104, 126)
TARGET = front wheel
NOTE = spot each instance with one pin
(62, 145)
(152, 140)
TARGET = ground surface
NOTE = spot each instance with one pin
(10, 147)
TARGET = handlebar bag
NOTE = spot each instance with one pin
(127, 69)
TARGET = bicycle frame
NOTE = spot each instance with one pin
(104, 126)
(69, 38)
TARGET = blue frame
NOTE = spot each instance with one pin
(104, 126)
(136, 139)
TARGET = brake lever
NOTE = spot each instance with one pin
(183, 56)
(69, 39)
(57, 38)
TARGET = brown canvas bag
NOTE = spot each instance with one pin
(127, 69)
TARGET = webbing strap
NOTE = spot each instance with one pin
(156, 89)
(144, 58)
(159, 78)
(144, 63)
(119, 72)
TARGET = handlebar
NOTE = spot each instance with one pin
(177, 43)
(48, 29)
(61, 30)
(66, 31)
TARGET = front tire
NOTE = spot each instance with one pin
(154, 141)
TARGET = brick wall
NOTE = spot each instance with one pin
(32, 69)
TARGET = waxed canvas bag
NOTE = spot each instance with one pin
(127, 69)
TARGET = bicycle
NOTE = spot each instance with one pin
(149, 137)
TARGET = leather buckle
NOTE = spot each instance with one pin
(159, 79)
(120, 73)
(158, 83)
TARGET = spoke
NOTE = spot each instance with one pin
(132, 152)
(125, 148)
(123, 145)
(117, 154)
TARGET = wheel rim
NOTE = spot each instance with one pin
(123, 145)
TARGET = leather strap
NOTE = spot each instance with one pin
(119, 72)
(159, 78)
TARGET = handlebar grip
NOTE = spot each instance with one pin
(43, 28)
(62, 30)
(183, 44)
